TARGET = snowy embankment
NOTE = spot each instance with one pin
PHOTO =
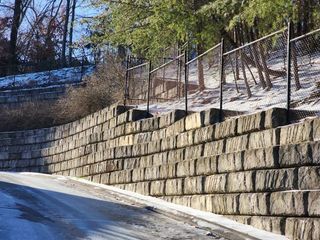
(306, 98)
(46, 78)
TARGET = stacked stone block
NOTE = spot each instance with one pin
(254, 169)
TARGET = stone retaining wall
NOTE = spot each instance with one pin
(253, 169)
(14, 98)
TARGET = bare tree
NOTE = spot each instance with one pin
(73, 10)
(65, 33)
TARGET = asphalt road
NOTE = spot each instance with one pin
(35, 206)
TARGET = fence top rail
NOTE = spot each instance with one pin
(138, 66)
(305, 35)
(203, 54)
(255, 41)
(167, 63)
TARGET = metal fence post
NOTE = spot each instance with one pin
(126, 90)
(149, 86)
(289, 70)
(221, 80)
(186, 79)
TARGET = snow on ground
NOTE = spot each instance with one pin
(306, 98)
(60, 76)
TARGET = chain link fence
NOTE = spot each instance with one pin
(137, 83)
(167, 81)
(305, 72)
(203, 77)
(255, 74)
(248, 78)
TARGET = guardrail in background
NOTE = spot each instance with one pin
(253, 70)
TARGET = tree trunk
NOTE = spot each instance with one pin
(295, 66)
(236, 56)
(73, 10)
(245, 76)
(200, 69)
(276, 73)
(264, 66)
(234, 74)
(14, 32)
(65, 33)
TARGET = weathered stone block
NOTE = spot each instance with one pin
(237, 144)
(316, 129)
(214, 148)
(270, 224)
(205, 134)
(193, 121)
(170, 118)
(275, 117)
(193, 152)
(176, 155)
(210, 116)
(152, 173)
(136, 114)
(182, 200)
(185, 139)
(253, 203)
(215, 183)
(157, 188)
(186, 168)
(138, 175)
(315, 152)
(168, 171)
(227, 128)
(174, 187)
(133, 127)
(130, 163)
(199, 202)
(289, 203)
(146, 161)
(122, 152)
(150, 124)
(223, 203)
(141, 137)
(152, 147)
(309, 178)
(160, 158)
(250, 123)
(264, 139)
(314, 203)
(143, 188)
(174, 129)
(295, 155)
(302, 228)
(231, 162)
(118, 131)
(193, 185)
(168, 143)
(276, 180)
(296, 133)
(240, 181)
(206, 165)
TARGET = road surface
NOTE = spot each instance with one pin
(35, 206)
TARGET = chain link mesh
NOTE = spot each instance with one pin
(305, 72)
(137, 84)
(255, 75)
(167, 81)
